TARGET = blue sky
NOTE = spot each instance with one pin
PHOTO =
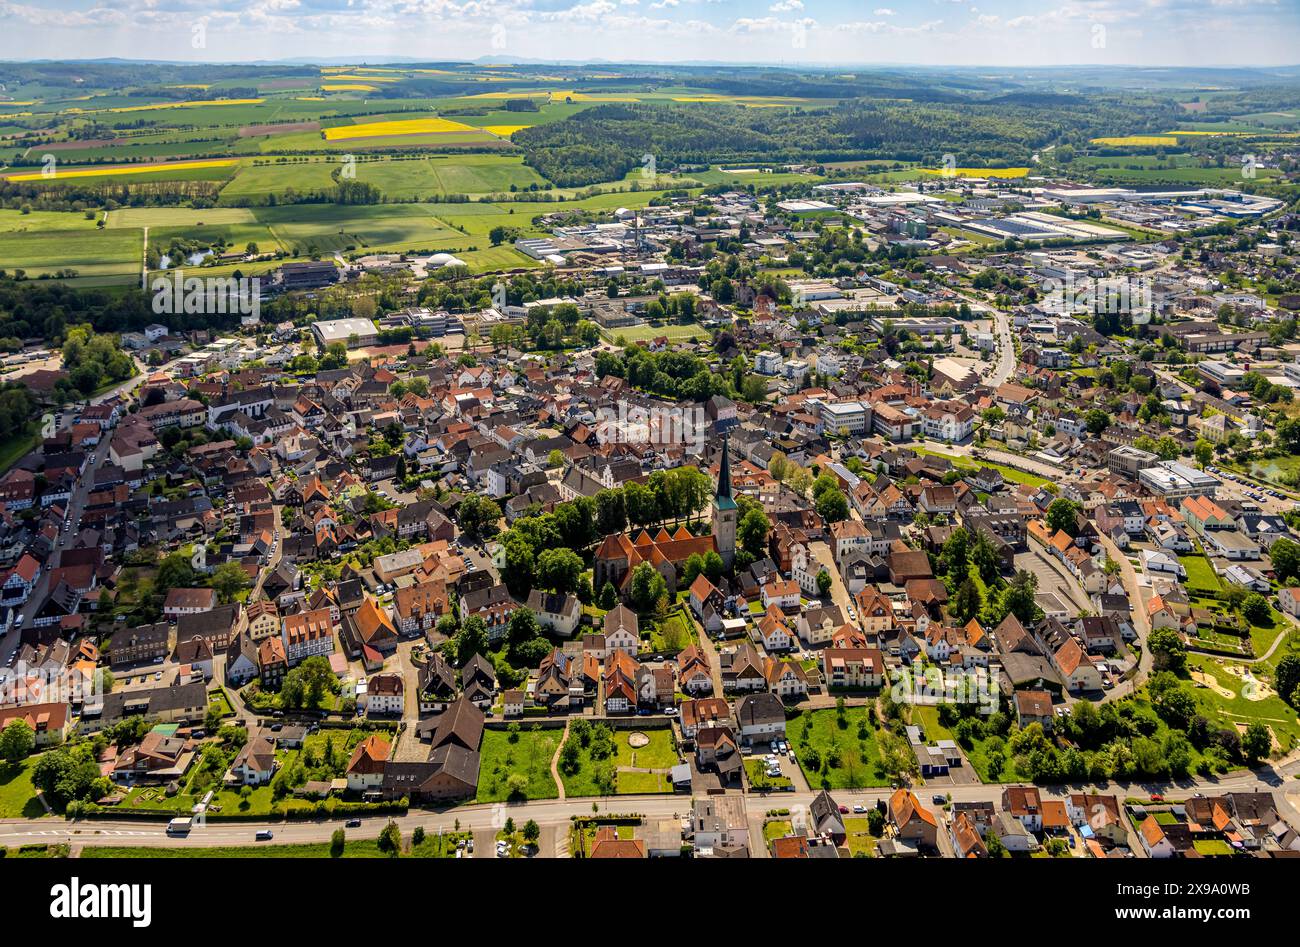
(926, 32)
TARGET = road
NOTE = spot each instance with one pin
(555, 814)
(1141, 623)
(1002, 369)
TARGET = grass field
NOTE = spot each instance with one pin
(644, 333)
(529, 753)
(1238, 711)
(15, 221)
(965, 463)
(17, 794)
(89, 252)
(847, 754)
(659, 754)
(1200, 574)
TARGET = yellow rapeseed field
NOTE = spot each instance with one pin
(363, 79)
(184, 105)
(410, 126)
(134, 169)
(1141, 141)
(980, 172)
(505, 131)
(349, 87)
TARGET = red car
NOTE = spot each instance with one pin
(1156, 797)
(844, 810)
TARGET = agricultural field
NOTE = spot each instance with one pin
(89, 252)
(216, 169)
(998, 173)
(1137, 141)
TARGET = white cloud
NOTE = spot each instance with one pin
(786, 6)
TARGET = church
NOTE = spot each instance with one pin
(620, 553)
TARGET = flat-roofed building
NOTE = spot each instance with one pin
(354, 333)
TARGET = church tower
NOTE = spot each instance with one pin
(725, 510)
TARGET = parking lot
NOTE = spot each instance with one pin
(1052, 577)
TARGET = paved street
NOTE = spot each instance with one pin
(555, 814)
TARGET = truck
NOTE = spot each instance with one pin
(180, 826)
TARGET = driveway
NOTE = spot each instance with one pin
(821, 552)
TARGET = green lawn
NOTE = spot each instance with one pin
(17, 794)
(1011, 474)
(644, 333)
(659, 754)
(1200, 574)
(89, 252)
(777, 828)
(859, 840)
(845, 756)
(433, 846)
(1236, 711)
(528, 752)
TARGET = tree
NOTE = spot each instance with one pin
(520, 566)
(1203, 451)
(954, 560)
(1167, 649)
(752, 532)
(229, 580)
(1285, 555)
(608, 596)
(1286, 679)
(1018, 596)
(16, 742)
(477, 516)
(1254, 608)
(1062, 514)
(1257, 741)
(778, 466)
(823, 583)
(307, 684)
(968, 601)
(559, 570)
(174, 572)
(832, 505)
(390, 840)
(1096, 421)
(517, 786)
(985, 555)
(647, 587)
(532, 832)
(523, 626)
(337, 841)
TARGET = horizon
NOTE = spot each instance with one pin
(1002, 34)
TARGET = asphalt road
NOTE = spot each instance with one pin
(553, 813)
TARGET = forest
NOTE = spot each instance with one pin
(607, 142)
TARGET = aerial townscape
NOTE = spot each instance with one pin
(517, 461)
